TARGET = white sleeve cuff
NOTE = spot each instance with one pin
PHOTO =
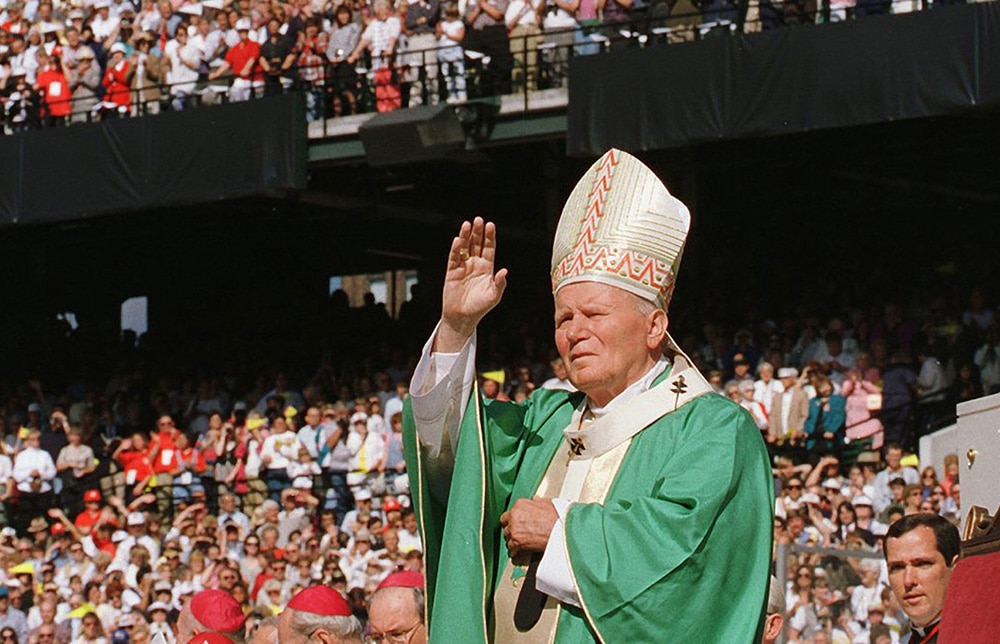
(440, 390)
(554, 577)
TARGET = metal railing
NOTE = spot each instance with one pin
(531, 62)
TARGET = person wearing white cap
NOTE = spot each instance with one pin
(865, 513)
(363, 505)
(103, 24)
(367, 450)
(117, 80)
(629, 495)
(243, 61)
(138, 535)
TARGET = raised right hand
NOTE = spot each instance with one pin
(471, 289)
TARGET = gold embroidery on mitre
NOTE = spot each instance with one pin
(621, 226)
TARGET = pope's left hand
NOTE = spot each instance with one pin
(526, 527)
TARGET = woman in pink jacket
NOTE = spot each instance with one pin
(859, 385)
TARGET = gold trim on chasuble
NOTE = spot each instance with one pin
(608, 440)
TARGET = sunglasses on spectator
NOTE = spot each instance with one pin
(794, 486)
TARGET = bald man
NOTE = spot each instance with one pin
(396, 611)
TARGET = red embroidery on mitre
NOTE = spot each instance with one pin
(574, 262)
(588, 258)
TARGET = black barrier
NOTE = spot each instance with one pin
(124, 165)
(783, 81)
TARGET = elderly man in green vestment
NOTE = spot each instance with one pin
(636, 509)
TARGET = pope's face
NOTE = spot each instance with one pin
(605, 339)
(918, 574)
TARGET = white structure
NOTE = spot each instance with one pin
(976, 441)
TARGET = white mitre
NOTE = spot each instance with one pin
(622, 227)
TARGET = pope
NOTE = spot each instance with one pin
(638, 508)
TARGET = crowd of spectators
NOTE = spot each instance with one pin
(126, 491)
(75, 60)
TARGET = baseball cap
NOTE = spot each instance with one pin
(91, 496)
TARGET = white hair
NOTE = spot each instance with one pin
(347, 628)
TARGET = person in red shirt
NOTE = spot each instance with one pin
(244, 60)
(118, 80)
(133, 454)
(92, 512)
(162, 455)
(53, 87)
(14, 18)
(189, 465)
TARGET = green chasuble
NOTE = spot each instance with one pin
(679, 551)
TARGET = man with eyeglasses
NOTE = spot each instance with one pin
(319, 614)
(227, 579)
(396, 612)
(792, 500)
(12, 617)
(80, 565)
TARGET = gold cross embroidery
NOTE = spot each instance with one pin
(576, 447)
